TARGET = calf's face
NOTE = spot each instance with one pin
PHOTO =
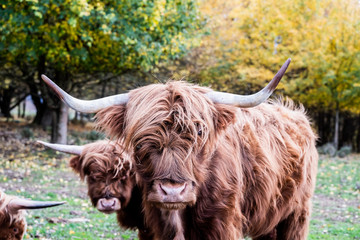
(107, 170)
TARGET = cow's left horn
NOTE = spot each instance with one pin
(18, 204)
(72, 149)
(86, 106)
(250, 100)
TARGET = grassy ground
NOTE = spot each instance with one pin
(336, 207)
(27, 170)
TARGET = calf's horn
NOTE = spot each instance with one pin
(86, 106)
(250, 100)
(72, 149)
(18, 204)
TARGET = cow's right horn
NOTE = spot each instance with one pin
(250, 100)
(17, 204)
(86, 106)
(72, 149)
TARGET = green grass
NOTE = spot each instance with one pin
(339, 177)
(44, 175)
(336, 205)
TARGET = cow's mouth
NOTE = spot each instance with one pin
(108, 206)
(171, 206)
(169, 195)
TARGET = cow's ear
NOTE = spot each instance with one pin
(75, 164)
(224, 116)
(111, 120)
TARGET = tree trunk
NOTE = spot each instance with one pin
(320, 125)
(19, 110)
(336, 133)
(24, 109)
(103, 89)
(5, 101)
(357, 140)
(62, 124)
(62, 113)
(54, 120)
(76, 115)
(40, 104)
(46, 118)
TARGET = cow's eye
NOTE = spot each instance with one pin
(200, 132)
(138, 147)
(93, 178)
(16, 230)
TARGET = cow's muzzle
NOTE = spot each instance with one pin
(172, 195)
(108, 205)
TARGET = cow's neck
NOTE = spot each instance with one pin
(173, 223)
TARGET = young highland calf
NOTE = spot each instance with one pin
(110, 180)
(214, 165)
(12, 215)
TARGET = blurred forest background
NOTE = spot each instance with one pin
(94, 49)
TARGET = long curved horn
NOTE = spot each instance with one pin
(86, 106)
(72, 149)
(18, 204)
(250, 100)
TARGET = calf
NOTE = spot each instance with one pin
(108, 171)
(12, 215)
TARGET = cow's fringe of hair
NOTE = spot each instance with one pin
(102, 151)
(142, 115)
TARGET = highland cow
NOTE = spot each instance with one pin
(12, 215)
(110, 180)
(214, 165)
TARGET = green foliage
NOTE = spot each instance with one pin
(96, 35)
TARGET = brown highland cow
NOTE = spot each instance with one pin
(12, 215)
(110, 179)
(214, 165)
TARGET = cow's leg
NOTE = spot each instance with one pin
(295, 226)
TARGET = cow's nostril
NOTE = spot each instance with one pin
(183, 191)
(162, 189)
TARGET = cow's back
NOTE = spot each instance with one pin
(279, 162)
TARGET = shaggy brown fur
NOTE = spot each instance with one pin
(241, 172)
(108, 172)
(12, 224)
